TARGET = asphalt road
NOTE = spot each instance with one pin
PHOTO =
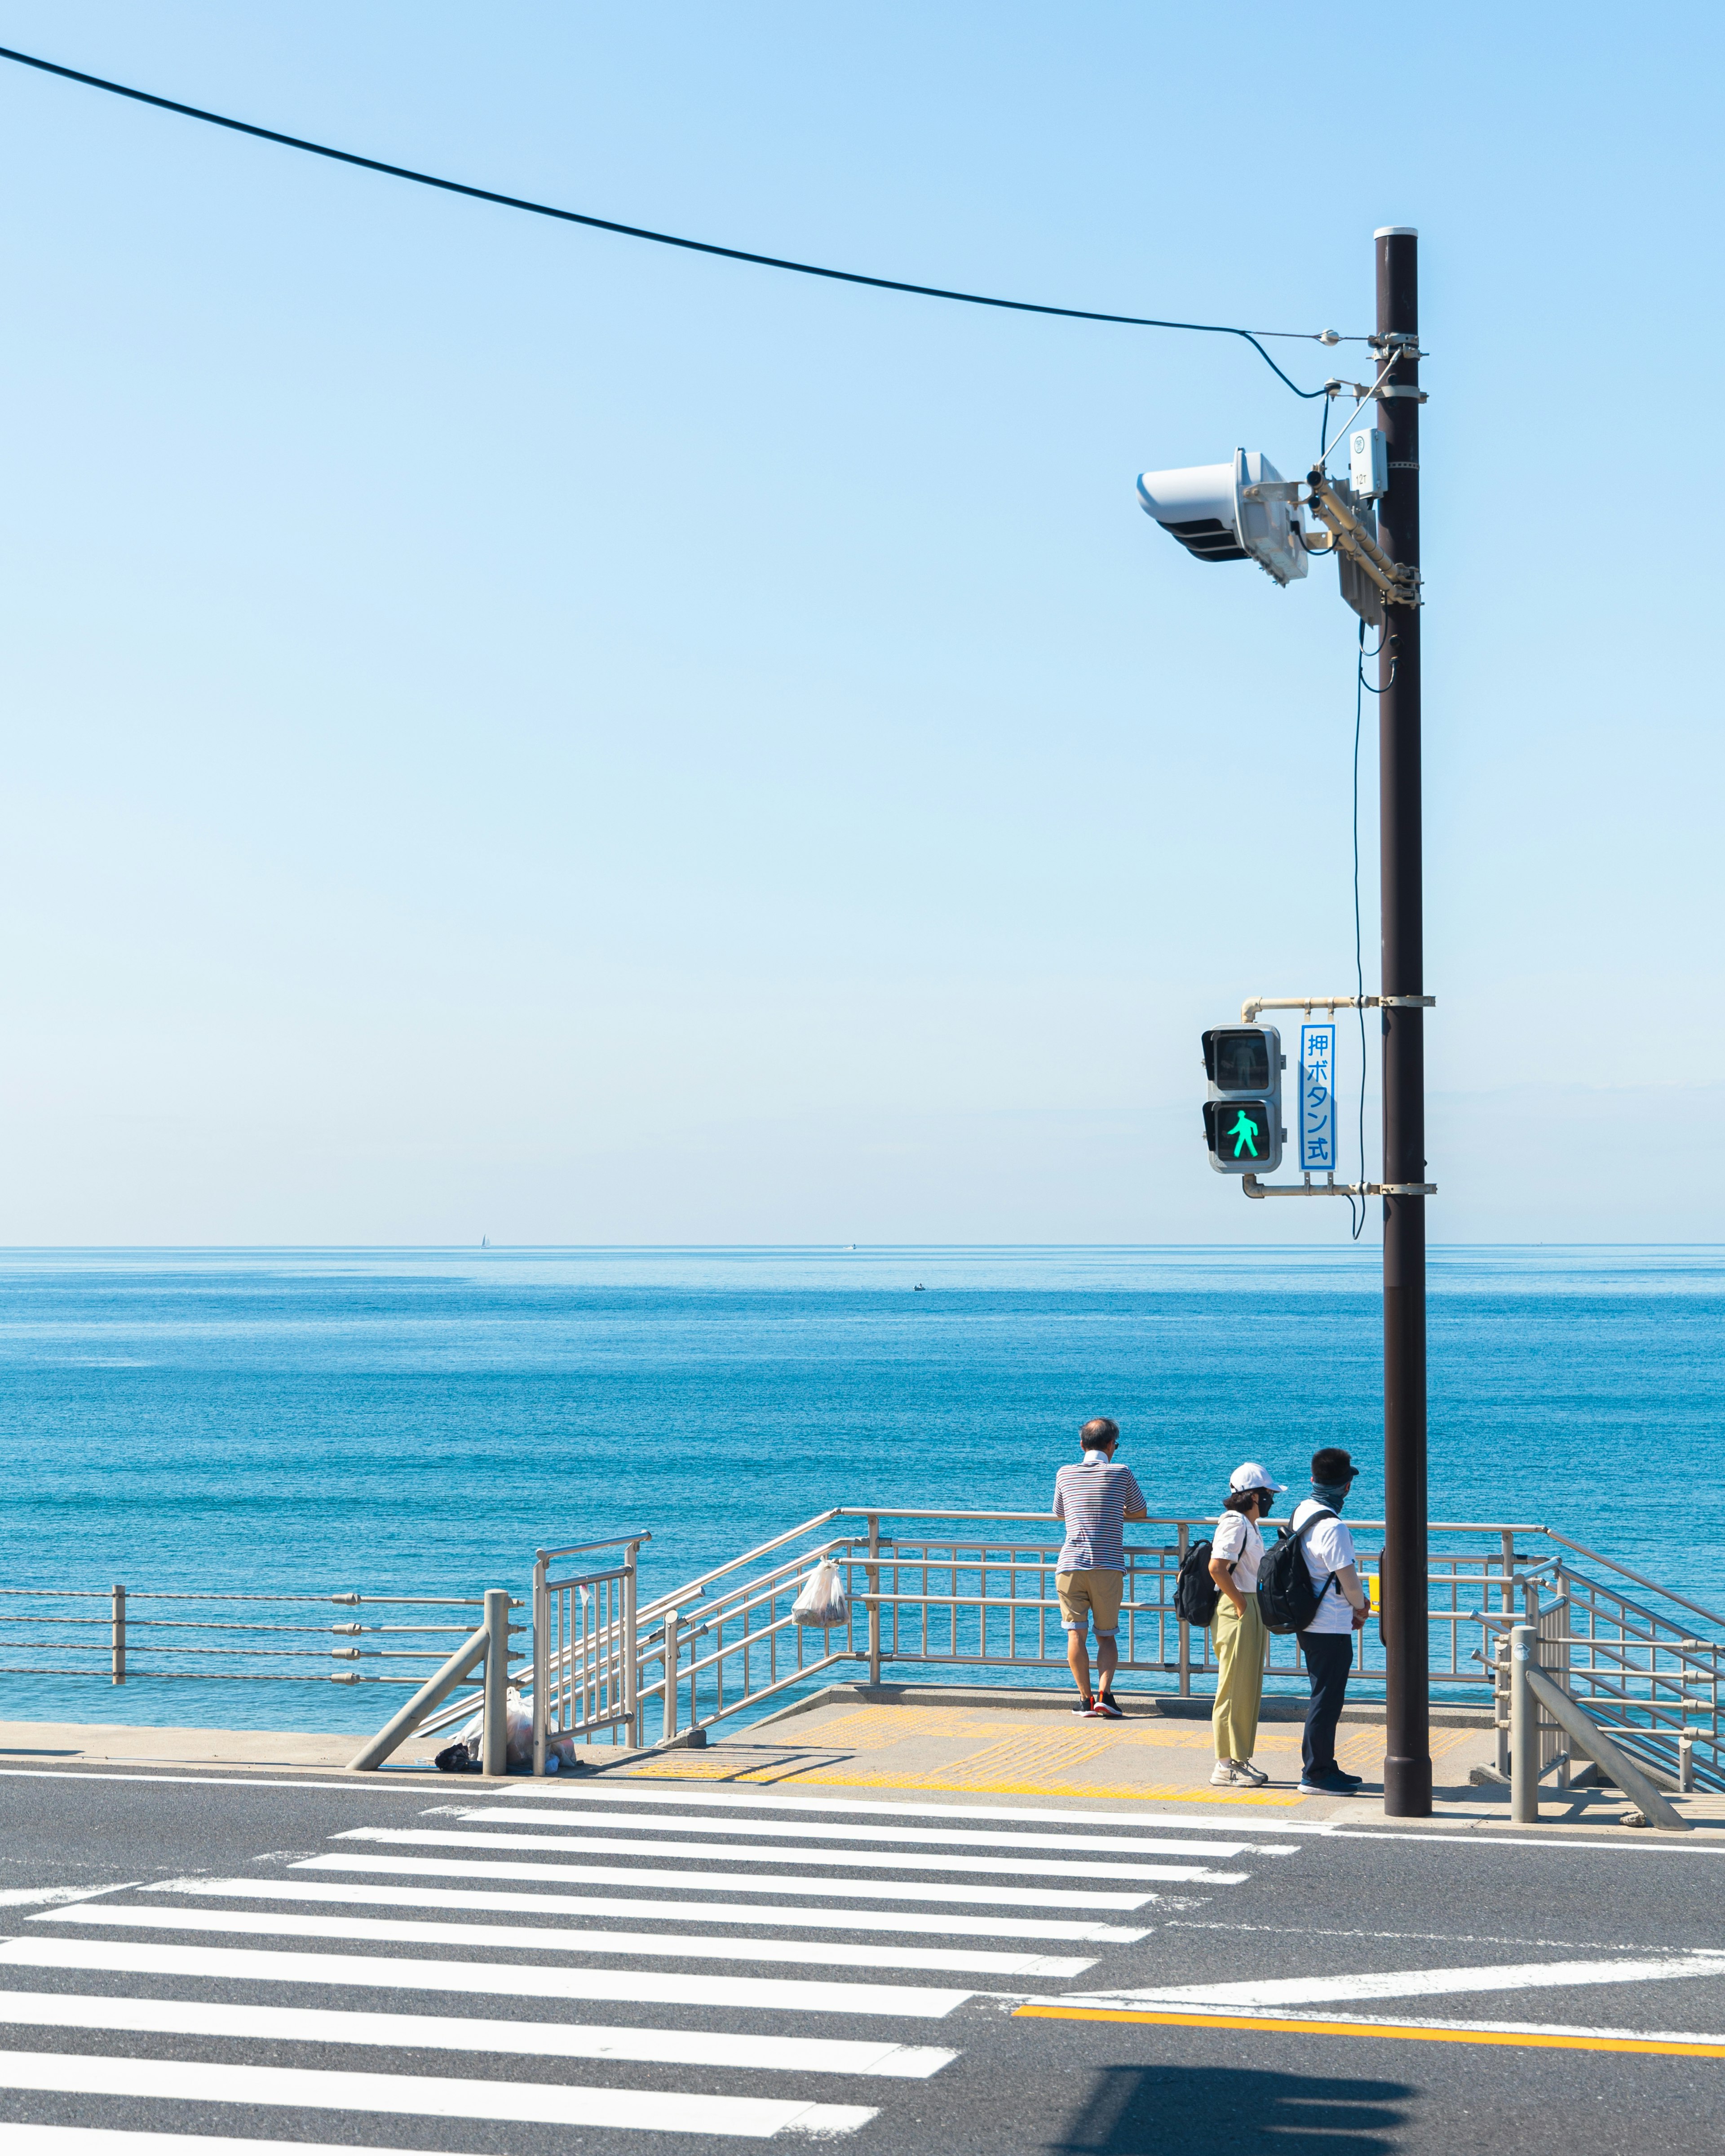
(441, 1965)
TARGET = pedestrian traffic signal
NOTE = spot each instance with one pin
(1242, 511)
(1242, 1117)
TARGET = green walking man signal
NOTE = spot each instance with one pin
(1242, 1117)
(1244, 1131)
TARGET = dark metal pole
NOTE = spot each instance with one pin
(1407, 1761)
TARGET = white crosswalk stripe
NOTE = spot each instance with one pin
(894, 1859)
(293, 1957)
(781, 1915)
(679, 1881)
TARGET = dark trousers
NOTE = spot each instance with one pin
(1329, 1657)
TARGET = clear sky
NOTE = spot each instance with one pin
(513, 732)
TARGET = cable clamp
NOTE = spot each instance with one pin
(1404, 1002)
(1403, 389)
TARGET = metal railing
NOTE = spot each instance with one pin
(1647, 1680)
(123, 1647)
(586, 1662)
(957, 1591)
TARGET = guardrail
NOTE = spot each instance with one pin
(123, 1647)
(586, 1662)
(1647, 1682)
(978, 1595)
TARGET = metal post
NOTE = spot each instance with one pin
(673, 1655)
(494, 1744)
(542, 1661)
(1407, 1762)
(873, 1580)
(119, 1633)
(1523, 1728)
(631, 1675)
(1185, 1629)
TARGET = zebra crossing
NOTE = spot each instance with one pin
(729, 1964)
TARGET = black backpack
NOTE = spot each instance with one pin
(1287, 1600)
(1196, 1594)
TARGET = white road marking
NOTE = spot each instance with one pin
(634, 1793)
(1583, 2031)
(896, 1860)
(128, 2141)
(379, 1972)
(830, 1830)
(528, 2040)
(1290, 1991)
(743, 1882)
(562, 1938)
(682, 1911)
(536, 2103)
(19, 1898)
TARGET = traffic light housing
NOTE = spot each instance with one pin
(1242, 1117)
(1224, 513)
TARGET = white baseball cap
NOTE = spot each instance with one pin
(1250, 1475)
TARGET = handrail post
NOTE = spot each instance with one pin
(493, 1742)
(1185, 1629)
(673, 1652)
(872, 1573)
(1523, 1728)
(542, 1661)
(631, 1673)
(119, 1633)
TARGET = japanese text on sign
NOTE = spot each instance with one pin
(1318, 1099)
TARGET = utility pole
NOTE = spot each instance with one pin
(1407, 1762)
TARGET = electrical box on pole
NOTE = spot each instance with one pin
(1368, 463)
(1242, 1117)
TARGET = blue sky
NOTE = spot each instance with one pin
(516, 733)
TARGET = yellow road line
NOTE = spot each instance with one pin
(1404, 2032)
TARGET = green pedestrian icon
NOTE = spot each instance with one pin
(1245, 1135)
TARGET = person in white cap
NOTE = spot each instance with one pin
(1236, 1553)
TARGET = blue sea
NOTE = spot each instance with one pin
(418, 1421)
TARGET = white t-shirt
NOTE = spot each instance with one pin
(1328, 1548)
(1237, 1538)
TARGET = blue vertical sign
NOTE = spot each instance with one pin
(1318, 1099)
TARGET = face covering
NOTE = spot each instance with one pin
(1333, 1494)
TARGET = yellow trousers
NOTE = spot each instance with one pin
(1239, 1679)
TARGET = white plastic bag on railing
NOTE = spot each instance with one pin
(822, 1601)
(518, 1731)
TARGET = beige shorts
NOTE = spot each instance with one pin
(1086, 1594)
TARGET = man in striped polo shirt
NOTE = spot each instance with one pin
(1094, 1497)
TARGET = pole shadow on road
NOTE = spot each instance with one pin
(1153, 2111)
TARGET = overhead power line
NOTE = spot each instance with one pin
(667, 238)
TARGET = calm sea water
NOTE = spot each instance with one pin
(420, 1420)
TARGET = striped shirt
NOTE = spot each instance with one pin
(1092, 1496)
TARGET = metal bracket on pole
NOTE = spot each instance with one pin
(1331, 1189)
(1399, 584)
(1253, 1004)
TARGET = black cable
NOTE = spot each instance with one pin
(1357, 1225)
(642, 232)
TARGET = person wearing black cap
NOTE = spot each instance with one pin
(1342, 1608)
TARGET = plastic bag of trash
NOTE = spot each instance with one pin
(822, 1601)
(518, 1727)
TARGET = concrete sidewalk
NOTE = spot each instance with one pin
(988, 1743)
(900, 1740)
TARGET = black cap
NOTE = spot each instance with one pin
(1332, 1465)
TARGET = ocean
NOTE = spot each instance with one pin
(418, 1421)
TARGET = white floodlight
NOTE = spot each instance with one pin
(1243, 512)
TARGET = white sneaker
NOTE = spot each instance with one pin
(1244, 1771)
(1223, 1773)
